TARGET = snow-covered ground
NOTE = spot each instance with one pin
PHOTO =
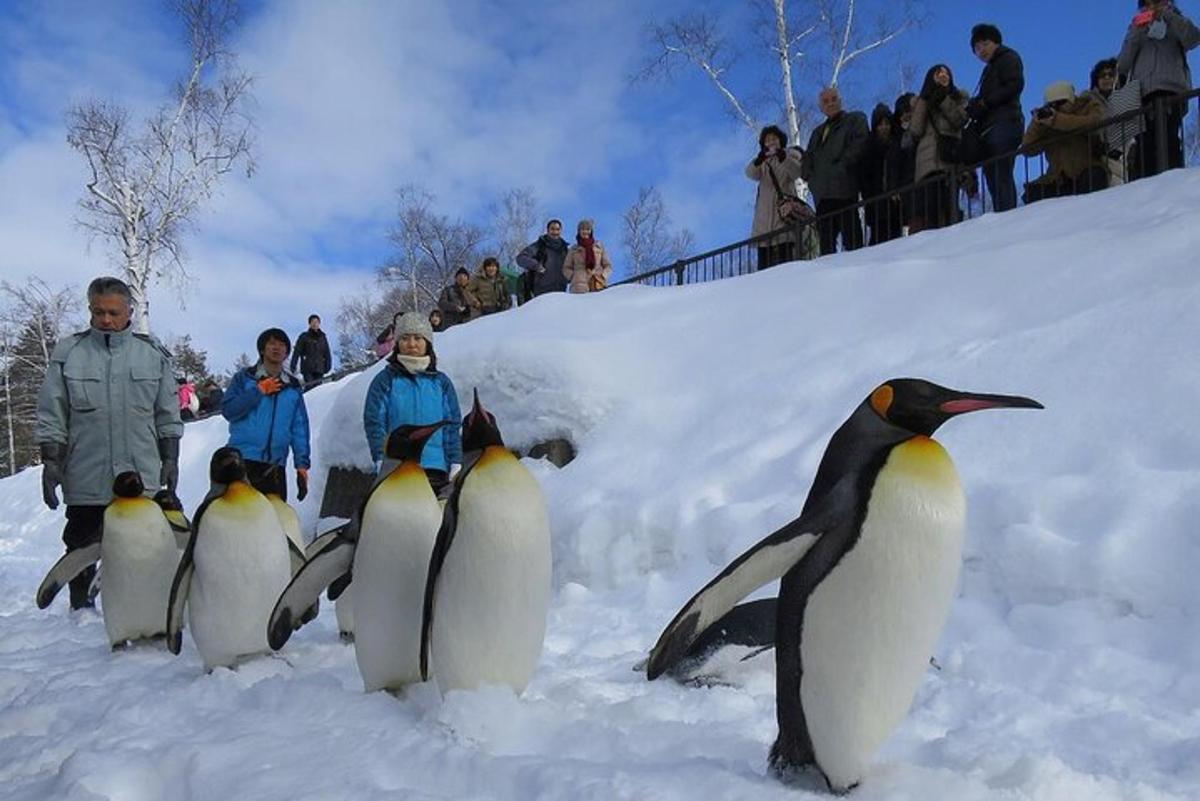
(1071, 661)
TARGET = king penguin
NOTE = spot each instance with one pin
(172, 508)
(234, 567)
(139, 554)
(388, 560)
(868, 574)
(489, 583)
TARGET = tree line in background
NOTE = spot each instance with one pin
(429, 247)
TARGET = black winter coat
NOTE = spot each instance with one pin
(312, 351)
(544, 259)
(835, 149)
(1000, 89)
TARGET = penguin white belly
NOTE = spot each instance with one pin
(139, 555)
(872, 624)
(493, 592)
(391, 563)
(241, 566)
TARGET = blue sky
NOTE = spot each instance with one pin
(468, 98)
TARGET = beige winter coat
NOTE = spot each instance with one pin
(766, 205)
(947, 119)
(575, 269)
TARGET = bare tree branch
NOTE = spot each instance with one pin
(145, 189)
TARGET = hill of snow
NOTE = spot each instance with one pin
(1071, 661)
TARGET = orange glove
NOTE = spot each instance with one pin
(270, 385)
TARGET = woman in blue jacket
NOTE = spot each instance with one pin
(265, 409)
(410, 390)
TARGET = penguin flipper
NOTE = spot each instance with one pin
(305, 588)
(765, 562)
(66, 568)
(180, 588)
(296, 555)
(315, 547)
(441, 547)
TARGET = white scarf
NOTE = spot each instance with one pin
(414, 364)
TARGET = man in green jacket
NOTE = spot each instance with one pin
(108, 405)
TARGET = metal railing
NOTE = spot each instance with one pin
(1138, 144)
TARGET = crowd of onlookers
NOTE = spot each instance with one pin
(910, 167)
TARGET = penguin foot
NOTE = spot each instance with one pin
(123, 645)
(346, 636)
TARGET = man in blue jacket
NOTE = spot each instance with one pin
(264, 405)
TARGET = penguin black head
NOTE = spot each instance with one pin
(168, 501)
(226, 466)
(479, 428)
(407, 442)
(128, 485)
(921, 406)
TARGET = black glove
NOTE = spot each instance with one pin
(976, 108)
(781, 154)
(53, 455)
(760, 158)
(168, 452)
(301, 483)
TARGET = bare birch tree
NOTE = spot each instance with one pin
(515, 222)
(649, 241)
(145, 183)
(33, 317)
(431, 247)
(813, 43)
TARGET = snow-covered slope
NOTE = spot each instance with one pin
(1071, 660)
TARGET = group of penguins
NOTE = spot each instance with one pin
(459, 592)
(867, 573)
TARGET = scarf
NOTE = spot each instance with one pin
(589, 251)
(414, 364)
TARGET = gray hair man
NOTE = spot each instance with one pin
(108, 404)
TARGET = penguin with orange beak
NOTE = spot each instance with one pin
(868, 573)
(234, 567)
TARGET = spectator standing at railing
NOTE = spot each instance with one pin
(543, 260)
(775, 169)
(831, 166)
(939, 114)
(1113, 143)
(456, 299)
(489, 294)
(587, 267)
(997, 112)
(880, 178)
(1155, 55)
(312, 352)
(435, 322)
(1074, 165)
(902, 122)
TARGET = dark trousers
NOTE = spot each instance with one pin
(771, 255)
(267, 478)
(1090, 180)
(1002, 137)
(1146, 156)
(935, 204)
(885, 220)
(84, 526)
(830, 224)
(311, 379)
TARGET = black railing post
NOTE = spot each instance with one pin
(1162, 158)
(679, 268)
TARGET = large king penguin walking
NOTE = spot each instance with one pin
(139, 553)
(388, 560)
(488, 589)
(234, 567)
(868, 570)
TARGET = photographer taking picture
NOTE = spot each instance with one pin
(1073, 167)
(1155, 55)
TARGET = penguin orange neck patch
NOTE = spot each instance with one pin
(881, 399)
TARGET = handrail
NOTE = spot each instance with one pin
(680, 268)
